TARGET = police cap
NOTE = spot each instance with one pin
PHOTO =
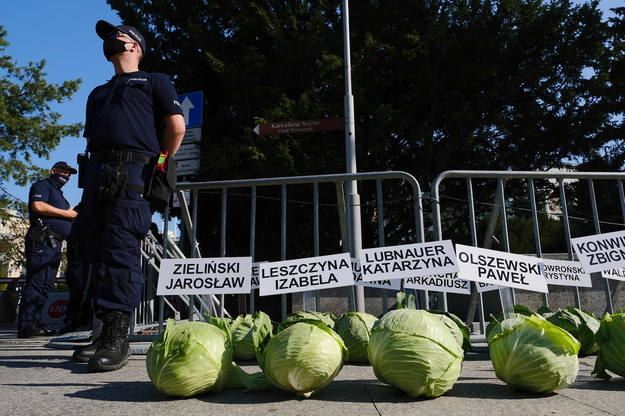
(104, 29)
(64, 165)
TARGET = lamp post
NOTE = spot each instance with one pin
(353, 198)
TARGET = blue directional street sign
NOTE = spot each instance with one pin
(192, 104)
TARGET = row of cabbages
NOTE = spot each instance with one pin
(419, 352)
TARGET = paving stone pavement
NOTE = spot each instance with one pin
(38, 377)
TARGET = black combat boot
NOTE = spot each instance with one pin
(113, 348)
(84, 354)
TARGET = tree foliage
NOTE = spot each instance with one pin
(28, 125)
(438, 84)
(255, 61)
(479, 84)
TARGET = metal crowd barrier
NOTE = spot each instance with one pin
(507, 187)
(524, 182)
(250, 189)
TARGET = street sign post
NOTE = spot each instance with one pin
(192, 135)
(188, 167)
(188, 156)
(192, 108)
(188, 151)
(300, 126)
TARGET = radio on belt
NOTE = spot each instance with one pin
(161, 163)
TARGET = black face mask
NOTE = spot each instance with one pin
(113, 46)
(59, 179)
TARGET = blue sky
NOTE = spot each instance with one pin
(63, 33)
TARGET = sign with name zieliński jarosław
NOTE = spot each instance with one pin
(392, 284)
(447, 282)
(408, 260)
(601, 251)
(204, 276)
(303, 275)
(566, 273)
(500, 268)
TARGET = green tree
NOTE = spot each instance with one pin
(438, 84)
(477, 84)
(485, 85)
(256, 62)
(28, 125)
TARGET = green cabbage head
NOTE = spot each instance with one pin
(189, 358)
(302, 358)
(244, 329)
(611, 340)
(532, 354)
(580, 324)
(354, 328)
(415, 352)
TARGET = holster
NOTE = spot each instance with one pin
(36, 233)
(81, 159)
(113, 180)
(39, 232)
(160, 187)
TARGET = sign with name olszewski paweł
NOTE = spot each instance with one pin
(204, 276)
(500, 268)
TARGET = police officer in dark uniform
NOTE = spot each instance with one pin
(130, 121)
(50, 218)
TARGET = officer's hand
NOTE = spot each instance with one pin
(71, 214)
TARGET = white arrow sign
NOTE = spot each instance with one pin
(186, 105)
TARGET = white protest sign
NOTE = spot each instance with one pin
(486, 287)
(566, 273)
(409, 260)
(503, 269)
(256, 275)
(601, 251)
(616, 274)
(394, 284)
(303, 275)
(448, 282)
(203, 276)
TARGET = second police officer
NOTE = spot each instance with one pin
(50, 219)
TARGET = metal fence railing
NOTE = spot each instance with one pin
(311, 211)
(271, 219)
(577, 203)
